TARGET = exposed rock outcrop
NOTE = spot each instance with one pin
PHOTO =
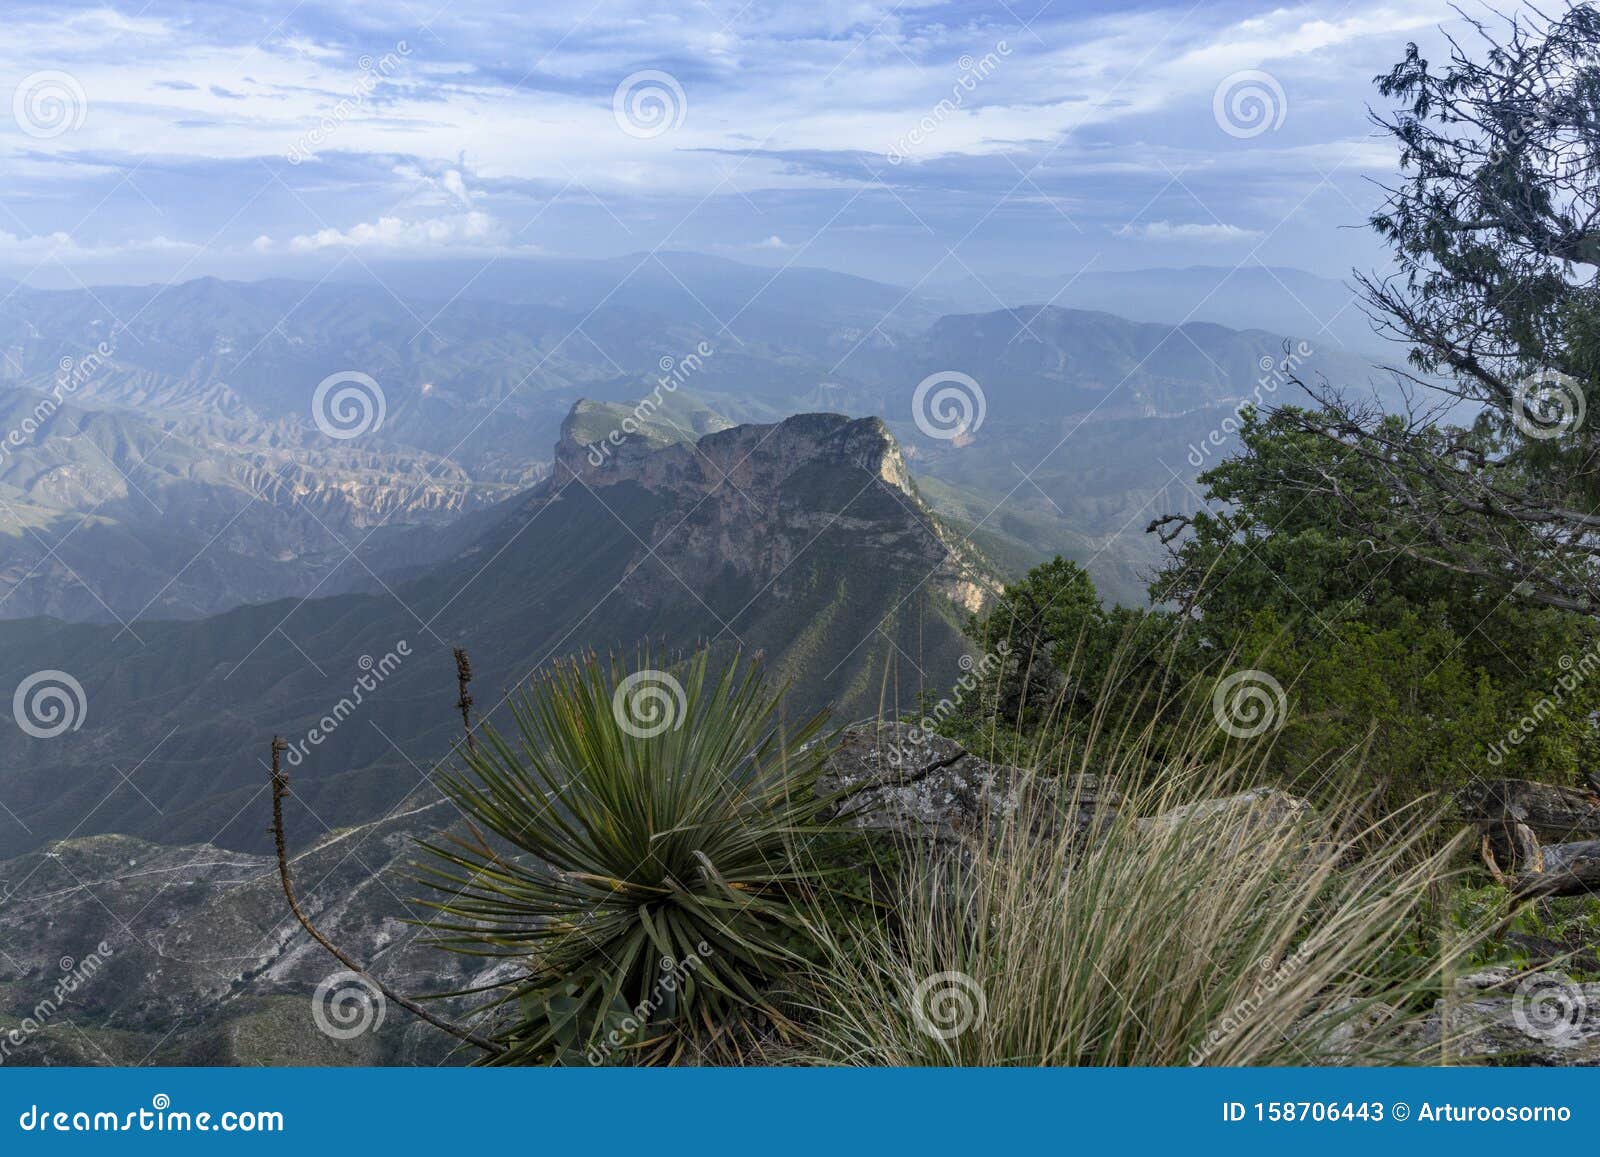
(202, 964)
(782, 485)
(1243, 818)
(802, 541)
(891, 778)
(1500, 1015)
(1552, 813)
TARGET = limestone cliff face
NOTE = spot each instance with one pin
(753, 498)
(601, 445)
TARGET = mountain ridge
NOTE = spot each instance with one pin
(803, 541)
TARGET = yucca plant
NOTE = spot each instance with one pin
(649, 835)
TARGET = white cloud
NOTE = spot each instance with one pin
(42, 247)
(471, 230)
(1187, 231)
(437, 187)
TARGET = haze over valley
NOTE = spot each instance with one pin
(586, 535)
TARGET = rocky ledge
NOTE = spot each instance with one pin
(196, 961)
(893, 778)
(783, 484)
(1504, 1016)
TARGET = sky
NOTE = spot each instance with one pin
(916, 143)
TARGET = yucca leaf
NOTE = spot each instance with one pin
(618, 850)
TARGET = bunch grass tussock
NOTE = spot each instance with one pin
(1252, 931)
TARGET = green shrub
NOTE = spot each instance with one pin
(651, 841)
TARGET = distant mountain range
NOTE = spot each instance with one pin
(185, 473)
(1293, 302)
(1321, 310)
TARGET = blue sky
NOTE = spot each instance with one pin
(914, 142)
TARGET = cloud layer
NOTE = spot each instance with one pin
(914, 142)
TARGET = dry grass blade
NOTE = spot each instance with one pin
(1198, 922)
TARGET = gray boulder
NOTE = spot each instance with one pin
(1499, 1015)
(891, 777)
